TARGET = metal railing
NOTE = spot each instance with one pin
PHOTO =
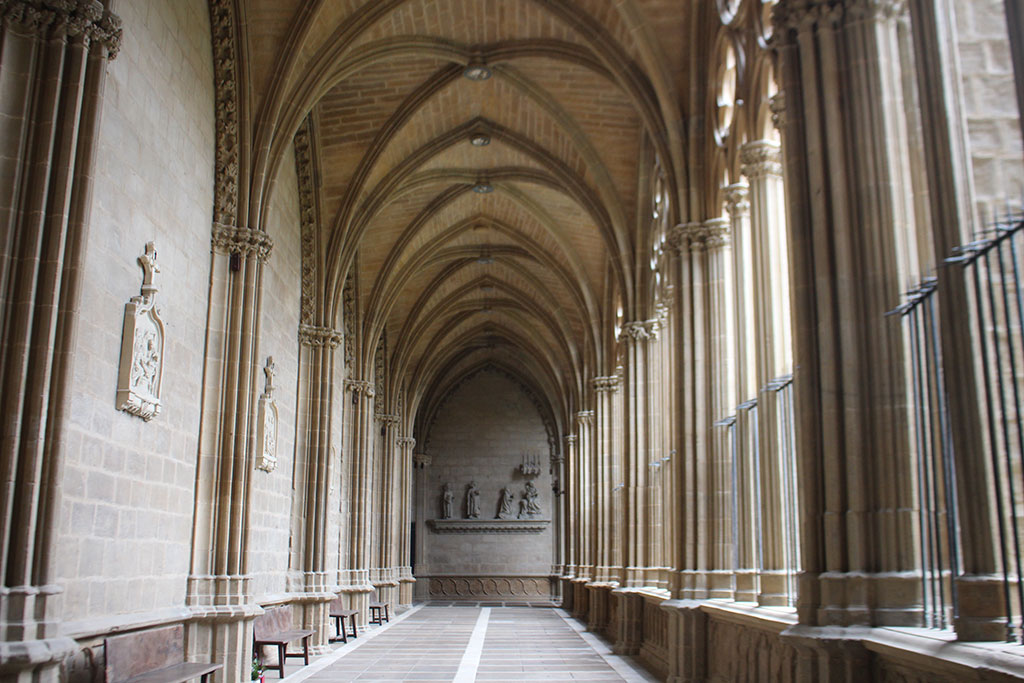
(991, 270)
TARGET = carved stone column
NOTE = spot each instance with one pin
(636, 336)
(405, 444)
(849, 211)
(420, 463)
(384, 575)
(604, 477)
(762, 165)
(695, 423)
(584, 521)
(317, 346)
(570, 506)
(52, 71)
(362, 482)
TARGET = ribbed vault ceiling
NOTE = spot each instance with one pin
(525, 278)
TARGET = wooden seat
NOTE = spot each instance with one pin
(274, 627)
(154, 656)
(340, 613)
(378, 610)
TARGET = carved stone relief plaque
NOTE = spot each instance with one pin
(266, 426)
(142, 346)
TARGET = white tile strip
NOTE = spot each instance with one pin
(471, 659)
(625, 668)
(326, 660)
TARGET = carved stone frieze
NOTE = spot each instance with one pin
(490, 586)
(307, 219)
(267, 422)
(314, 335)
(55, 18)
(235, 240)
(142, 346)
(225, 195)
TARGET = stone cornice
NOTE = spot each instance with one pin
(609, 383)
(53, 18)
(313, 335)
(761, 158)
(359, 386)
(235, 240)
(488, 526)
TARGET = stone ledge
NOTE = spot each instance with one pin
(488, 526)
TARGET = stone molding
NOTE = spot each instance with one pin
(609, 383)
(236, 240)
(316, 336)
(488, 526)
(361, 386)
(761, 158)
(737, 199)
(55, 18)
(141, 369)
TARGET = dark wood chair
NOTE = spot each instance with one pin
(378, 610)
(153, 656)
(274, 627)
(339, 613)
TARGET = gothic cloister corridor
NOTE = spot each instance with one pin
(685, 334)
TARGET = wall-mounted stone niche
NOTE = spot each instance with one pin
(488, 526)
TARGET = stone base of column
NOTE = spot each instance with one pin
(773, 589)
(580, 599)
(629, 631)
(687, 641)
(747, 585)
(860, 599)
(357, 597)
(30, 651)
(720, 584)
(567, 593)
(982, 607)
(406, 583)
(220, 629)
(599, 599)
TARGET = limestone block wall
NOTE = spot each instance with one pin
(272, 491)
(126, 517)
(990, 107)
(481, 435)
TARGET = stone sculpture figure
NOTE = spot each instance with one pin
(528, 506)
(447, 502)
(508, 501)
(472, 501)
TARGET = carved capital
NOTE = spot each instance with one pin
(737, 198)
(406, 442)
(715, 233)
(777, 105)
(388, 421)
(421, 460)
(640, 330)
(760, 159)
(609, 383)
(585, 417)
(360, 387)
(56, 18)
(685, 237)
(570, 439)
(875, 10)
(234, 240)
(316, 336)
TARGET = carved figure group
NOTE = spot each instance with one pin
(529, 506)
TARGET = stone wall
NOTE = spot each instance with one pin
(126, 517)
(990, 107)
(272, 491)
(481, 435)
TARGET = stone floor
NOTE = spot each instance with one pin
(472, 642)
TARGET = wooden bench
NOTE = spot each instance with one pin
(154, 656)
(339, 613)
(274, 627)
(378, 610)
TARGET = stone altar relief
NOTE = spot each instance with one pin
(142, 346)
(266, 425)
